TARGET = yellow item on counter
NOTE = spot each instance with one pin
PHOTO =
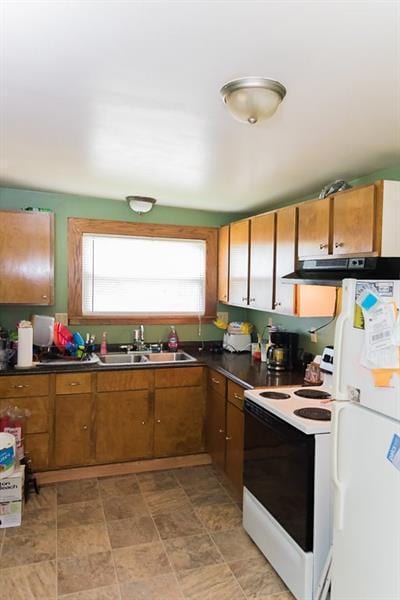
(220, 324)
(246, 328)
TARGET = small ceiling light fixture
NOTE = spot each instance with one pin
(140, 204)
(252, 99)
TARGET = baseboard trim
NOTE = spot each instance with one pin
(138, 466)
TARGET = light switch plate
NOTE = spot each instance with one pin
(62, 318)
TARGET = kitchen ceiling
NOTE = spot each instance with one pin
(109, 99)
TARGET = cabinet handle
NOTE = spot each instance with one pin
(74, 383)
(228, 437)
(323, 246)
(339, 244)
(221, 431)
(44, 297)
(252, 299)
(84, 428)
(19, 386)
(237, 396)
(244, 299)
(158, 421)
(277, 304)
(215, 380)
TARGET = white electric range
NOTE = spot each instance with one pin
(287, 491)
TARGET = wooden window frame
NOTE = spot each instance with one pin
(78, 227)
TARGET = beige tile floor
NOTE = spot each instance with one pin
(167, 535)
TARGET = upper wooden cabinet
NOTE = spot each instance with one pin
(360, 221)
(223, 264)
(286, 232)
(261, 273)
(26, 258)
(239, 262)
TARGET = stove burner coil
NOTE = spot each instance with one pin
(316, 414)
(275, 395)
(312, 394)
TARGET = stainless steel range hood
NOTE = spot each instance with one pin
(331, 271)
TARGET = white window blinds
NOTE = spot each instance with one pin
(123, 275)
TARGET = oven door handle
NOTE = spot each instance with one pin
(339, 487)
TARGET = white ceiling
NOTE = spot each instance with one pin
(107, 99)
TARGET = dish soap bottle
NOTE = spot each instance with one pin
(103, 345)
(173, 340)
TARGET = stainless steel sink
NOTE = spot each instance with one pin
(166, 357)
(137, 358)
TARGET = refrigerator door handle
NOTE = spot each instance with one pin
(339, 493)
(347, 313)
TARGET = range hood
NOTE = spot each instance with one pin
(331, 271)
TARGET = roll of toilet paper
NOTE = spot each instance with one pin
(25, 345)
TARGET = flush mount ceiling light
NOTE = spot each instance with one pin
(252, 99)
(140, 204)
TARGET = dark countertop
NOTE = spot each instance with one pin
(240, 368)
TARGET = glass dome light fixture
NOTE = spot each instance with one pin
(252, 99)
(140, 204)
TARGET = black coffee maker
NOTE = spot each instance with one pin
(282, 354)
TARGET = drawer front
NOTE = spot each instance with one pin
(180, 377)
(217, 382)
(38, 421)
(15, 386)
(235, 394)
(74, 383)
(124, 380)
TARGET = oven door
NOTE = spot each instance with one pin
(279, 471)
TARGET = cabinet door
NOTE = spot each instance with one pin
(354, 221)
(285, 259)
(179, 421)
(239, 263)
(262, 246)
(124, 426)
(314, 220)
(73, 430)
(223, 264)
(26, 258)
(215, 427)
(234, 446)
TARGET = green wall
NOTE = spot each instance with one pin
(64, 206)
(326, 335)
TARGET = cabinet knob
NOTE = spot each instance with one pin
(85, 428)
(323, 246)
(228, 437)
(44, 297)
(339, 244)
(20, 386)
(74, 383)
(221, 431)
(215, 380)
(143, 422)
(158, 421)
(237, 396)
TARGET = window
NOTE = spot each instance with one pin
(121, 272)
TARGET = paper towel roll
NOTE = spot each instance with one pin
(25, 343)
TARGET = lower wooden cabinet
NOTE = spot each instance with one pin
(225, 427)
(124, 426)
(73, 430)
(179, 421)
(37, 448)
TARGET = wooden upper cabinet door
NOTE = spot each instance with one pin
(223, 264)
(285, 301)
(314, 220)
(234, 447)
(124, 426)
(354, 221)
(239, 263)
(262, 246)
(73, 430)
(26, 258)
(179, 421)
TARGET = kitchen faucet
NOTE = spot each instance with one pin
(138, 338)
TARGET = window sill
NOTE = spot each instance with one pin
(139, 318)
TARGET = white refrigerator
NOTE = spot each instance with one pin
(366, 444)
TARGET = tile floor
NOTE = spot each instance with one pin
(164, 535)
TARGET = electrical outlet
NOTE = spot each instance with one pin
(313, 336)
(62, 318)
(224, 316)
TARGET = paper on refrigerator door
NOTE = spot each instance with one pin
(380, 349)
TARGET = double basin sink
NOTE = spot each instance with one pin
(135, 358)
